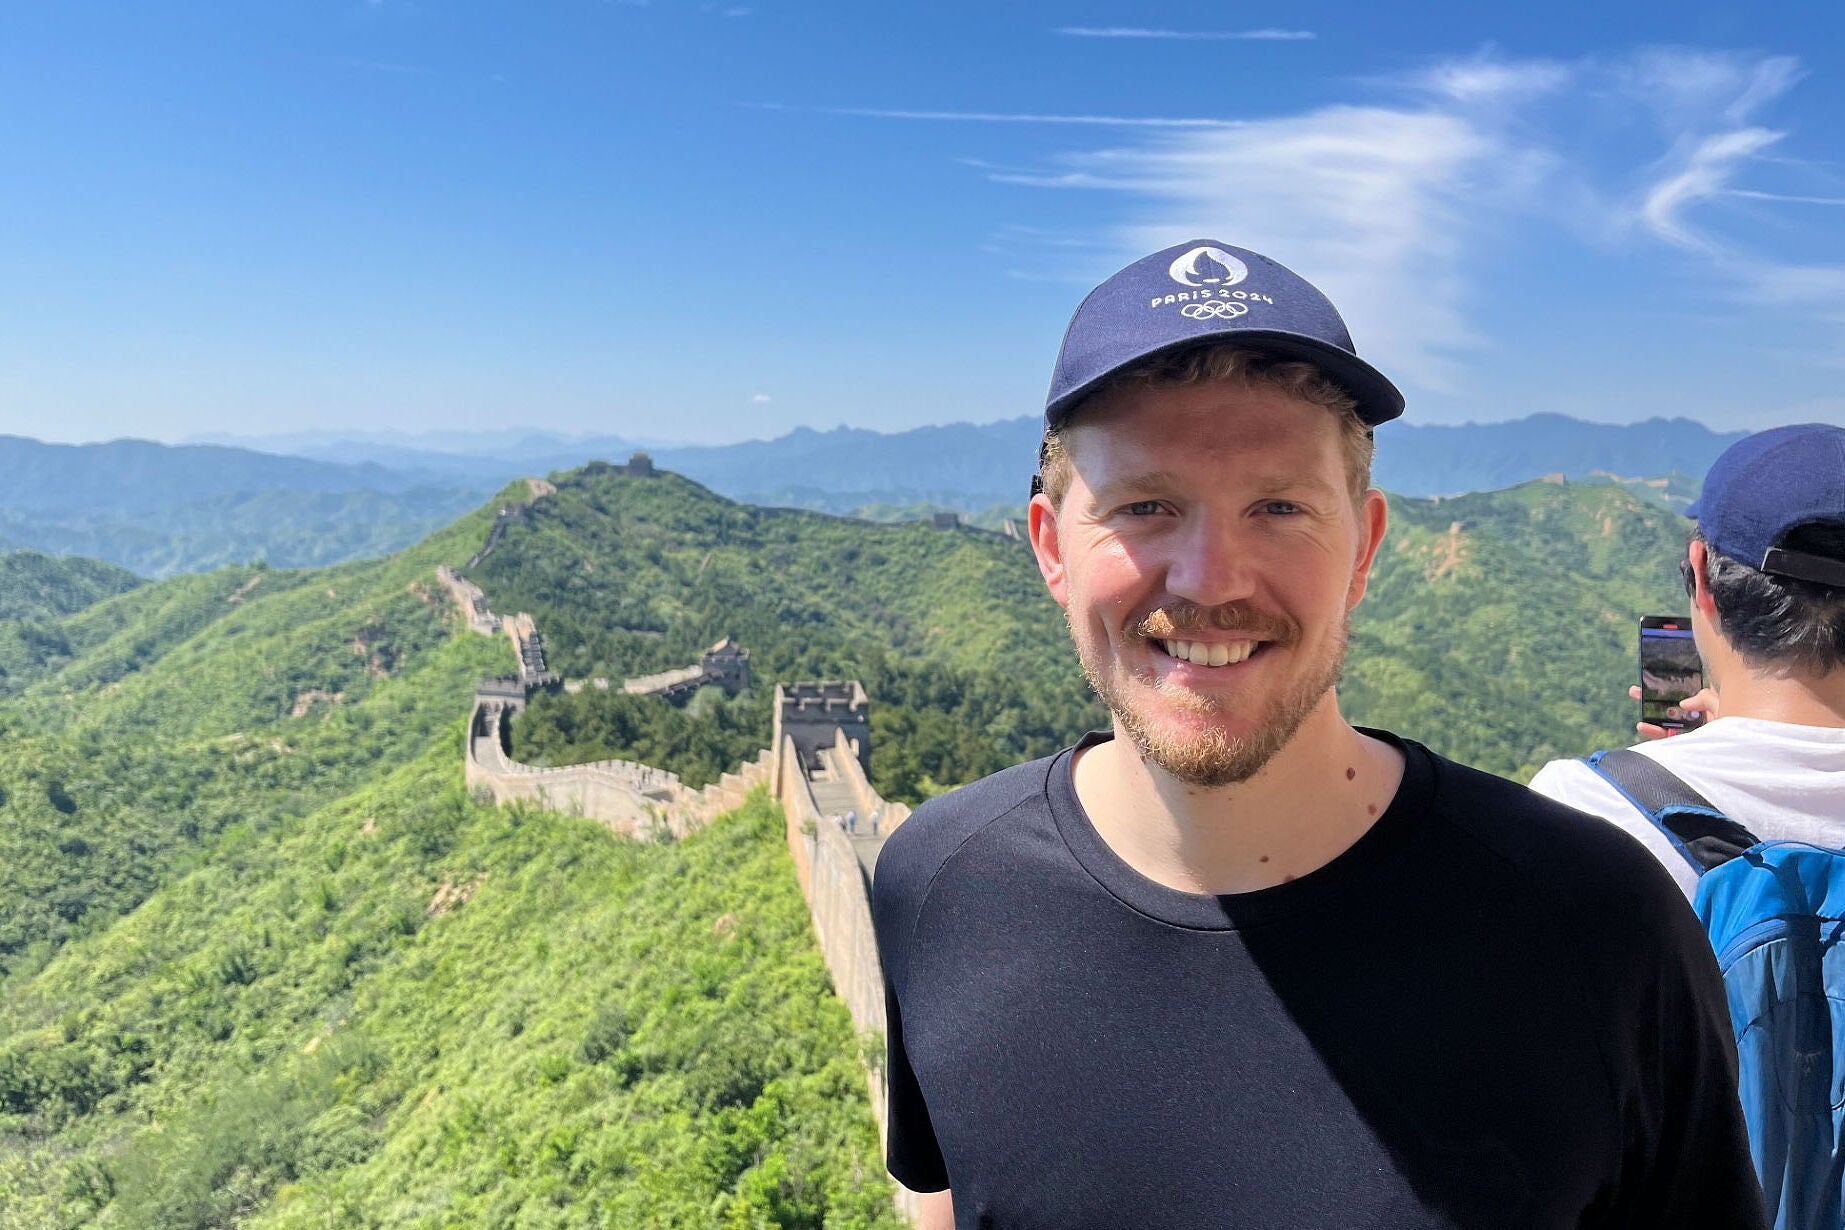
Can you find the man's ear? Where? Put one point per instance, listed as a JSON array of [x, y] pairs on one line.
[[1373, 519], [1699, 555], [1041, 525]]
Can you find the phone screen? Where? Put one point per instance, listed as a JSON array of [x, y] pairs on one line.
[[1670, 670]]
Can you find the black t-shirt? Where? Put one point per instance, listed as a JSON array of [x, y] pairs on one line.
[[1492, 1011]]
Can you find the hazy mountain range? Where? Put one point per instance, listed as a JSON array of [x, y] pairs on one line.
[[319, 498], [973, 466]]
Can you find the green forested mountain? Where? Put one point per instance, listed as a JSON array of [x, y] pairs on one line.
[[263, 962], [35, 587], [35, 591], [1501, 627], [950, 630]]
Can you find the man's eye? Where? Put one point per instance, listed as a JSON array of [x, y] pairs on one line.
[[1142, 508], [1281, 508]]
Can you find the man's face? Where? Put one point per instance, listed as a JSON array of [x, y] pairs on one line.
[[1208, 555]]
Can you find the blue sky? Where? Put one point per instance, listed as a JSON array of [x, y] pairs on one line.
[[711, 221]]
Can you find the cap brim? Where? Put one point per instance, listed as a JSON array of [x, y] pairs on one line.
[[1378, 400]]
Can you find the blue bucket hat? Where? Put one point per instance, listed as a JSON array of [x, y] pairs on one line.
[[1769, 484], [1203, 292]]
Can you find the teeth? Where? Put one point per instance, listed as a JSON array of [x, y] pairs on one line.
[[1200, 654]]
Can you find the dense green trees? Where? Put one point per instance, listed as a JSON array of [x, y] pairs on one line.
[[701, 742], [1501, 627], [407, 1009], [35, 587], [964, 656]]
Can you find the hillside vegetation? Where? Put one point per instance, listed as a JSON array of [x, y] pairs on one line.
[[36, 587], [1501, 627], [410, 1010], [950, 631], [264, 963], [35, 592]]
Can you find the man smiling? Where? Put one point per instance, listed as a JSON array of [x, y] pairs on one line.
[[1237, 962]]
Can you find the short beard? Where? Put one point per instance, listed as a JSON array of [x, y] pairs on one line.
[[1213, 759]]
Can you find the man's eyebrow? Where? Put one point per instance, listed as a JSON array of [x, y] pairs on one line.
[[1305, 484], [1164, 482], [1147, 482]]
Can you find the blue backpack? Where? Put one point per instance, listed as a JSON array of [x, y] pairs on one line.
[[1775, 913]]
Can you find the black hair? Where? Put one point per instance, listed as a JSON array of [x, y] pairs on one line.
[[1781, 624]]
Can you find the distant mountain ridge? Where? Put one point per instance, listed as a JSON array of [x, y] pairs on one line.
[[163, 509], [1441, 459], [138, 475], [973, 466], [160, 509]]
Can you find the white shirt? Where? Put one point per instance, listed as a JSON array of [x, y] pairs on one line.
[[1780, 781]]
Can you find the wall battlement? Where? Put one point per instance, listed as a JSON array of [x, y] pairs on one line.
[[812, 714], [725, 665]]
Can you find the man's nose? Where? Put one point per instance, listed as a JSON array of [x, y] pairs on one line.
[[1211, 565]]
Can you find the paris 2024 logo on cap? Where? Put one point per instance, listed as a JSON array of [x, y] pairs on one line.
[[1209, 273]]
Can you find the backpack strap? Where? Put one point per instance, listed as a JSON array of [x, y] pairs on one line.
[[1703, 834]]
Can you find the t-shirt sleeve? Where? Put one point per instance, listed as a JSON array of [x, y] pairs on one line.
[[913, 1155], [1688, 1162]]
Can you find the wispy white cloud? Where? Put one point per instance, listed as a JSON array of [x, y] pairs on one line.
[[1264, 35], [1705, 173], [1753, 195], [1818, 286], [1483, 78], [760, 399], [1397, 209], [1706, 101], [1695, 87], [1364, 201]]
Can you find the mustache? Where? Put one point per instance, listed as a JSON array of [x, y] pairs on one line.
[[1181, 620]]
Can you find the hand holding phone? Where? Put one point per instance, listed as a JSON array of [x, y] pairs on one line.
[[1670, 674], [1702, 703]]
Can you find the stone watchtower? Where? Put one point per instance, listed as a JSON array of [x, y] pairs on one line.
[[727, 664], [809, 713]]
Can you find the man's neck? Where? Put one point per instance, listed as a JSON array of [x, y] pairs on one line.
[[1800, 701], [1308, 805]]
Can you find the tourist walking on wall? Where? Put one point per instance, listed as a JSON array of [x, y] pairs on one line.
[[1234, 961]]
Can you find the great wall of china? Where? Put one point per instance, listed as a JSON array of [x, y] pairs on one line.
[[815, 766]]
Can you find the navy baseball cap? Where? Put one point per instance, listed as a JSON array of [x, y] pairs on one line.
[[1203, 292], [1768, 484]]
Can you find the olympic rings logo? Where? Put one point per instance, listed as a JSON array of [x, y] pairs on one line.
[[1214, 309]]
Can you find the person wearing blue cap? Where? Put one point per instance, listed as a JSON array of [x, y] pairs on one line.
[[1765, 576], [1748, 810], [1235, 962]]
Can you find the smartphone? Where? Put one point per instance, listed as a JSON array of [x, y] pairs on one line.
[[1670, 670]]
